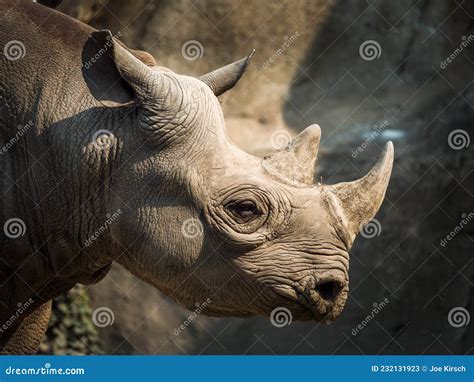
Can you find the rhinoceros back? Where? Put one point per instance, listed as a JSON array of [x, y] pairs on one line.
[[41, 63]]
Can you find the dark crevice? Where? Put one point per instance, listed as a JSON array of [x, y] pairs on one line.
[[411, 41]]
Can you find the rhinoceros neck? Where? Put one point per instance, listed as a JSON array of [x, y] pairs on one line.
[[58, 187]]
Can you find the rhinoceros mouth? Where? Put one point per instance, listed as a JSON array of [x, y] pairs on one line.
[[323, 312], [304, 308]]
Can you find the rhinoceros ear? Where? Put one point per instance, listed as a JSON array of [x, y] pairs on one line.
[[113, 74], [225, 78], [100, 72], [130, 68]]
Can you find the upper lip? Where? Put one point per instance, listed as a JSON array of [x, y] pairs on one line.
[[317, 310]]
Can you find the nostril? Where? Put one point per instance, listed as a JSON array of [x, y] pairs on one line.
[[329, 290]]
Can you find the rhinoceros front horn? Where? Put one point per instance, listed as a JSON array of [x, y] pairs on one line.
[[362, 198], [358, 201], [225, 78]]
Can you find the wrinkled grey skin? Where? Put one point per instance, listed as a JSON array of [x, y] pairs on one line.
[[193, 215]]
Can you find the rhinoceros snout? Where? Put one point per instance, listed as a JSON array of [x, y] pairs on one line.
[[326, 298]]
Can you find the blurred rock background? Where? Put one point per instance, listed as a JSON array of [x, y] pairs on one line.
[[310, 67]]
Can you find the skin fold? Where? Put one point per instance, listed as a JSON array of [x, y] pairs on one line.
[[126, 161]]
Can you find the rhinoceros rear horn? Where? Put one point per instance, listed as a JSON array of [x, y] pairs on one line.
[[361, 199], [295, 163], [225, 78]]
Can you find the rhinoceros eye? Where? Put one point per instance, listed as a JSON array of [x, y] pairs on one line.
[[244, 211]]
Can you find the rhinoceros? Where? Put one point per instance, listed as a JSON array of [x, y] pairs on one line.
[[108, 157]]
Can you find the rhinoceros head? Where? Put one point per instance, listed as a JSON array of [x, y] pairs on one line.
[[203, 221]]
